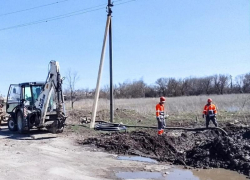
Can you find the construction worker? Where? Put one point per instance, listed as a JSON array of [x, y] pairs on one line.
[[160, 115], [210, 113]]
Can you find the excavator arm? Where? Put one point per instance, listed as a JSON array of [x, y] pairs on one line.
[[53, 86]]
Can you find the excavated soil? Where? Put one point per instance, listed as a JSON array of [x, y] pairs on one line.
[[205, 149]]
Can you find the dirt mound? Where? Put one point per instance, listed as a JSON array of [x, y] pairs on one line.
[[221, 152], [197, 149]]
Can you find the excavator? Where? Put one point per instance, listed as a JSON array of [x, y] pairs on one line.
[[37, 104]]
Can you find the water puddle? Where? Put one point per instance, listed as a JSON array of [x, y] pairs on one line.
[[180, 174], [164, 172], [136, 158], [177, 174], [218, 174], [139, 175]]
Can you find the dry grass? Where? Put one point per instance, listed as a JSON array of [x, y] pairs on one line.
[[230, 107]]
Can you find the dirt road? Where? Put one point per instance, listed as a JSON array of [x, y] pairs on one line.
[[47, 156], [44, 156]]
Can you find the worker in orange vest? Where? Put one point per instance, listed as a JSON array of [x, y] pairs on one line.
[[210, 113], [160, 115]]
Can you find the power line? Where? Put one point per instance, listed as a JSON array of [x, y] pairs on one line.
[[124, 2], [36, 7], [74, 13], [83, 11]]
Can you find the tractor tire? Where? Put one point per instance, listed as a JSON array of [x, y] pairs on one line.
[[60, 129], [20, 123], [12, 124], [56, 127]]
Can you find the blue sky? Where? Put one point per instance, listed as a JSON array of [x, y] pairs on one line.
[[151, 39]]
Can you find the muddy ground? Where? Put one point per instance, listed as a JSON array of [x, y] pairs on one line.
[[204, 149], [41, 155]]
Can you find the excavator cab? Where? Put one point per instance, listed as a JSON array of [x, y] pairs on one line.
[[22, 94], [21, 97]]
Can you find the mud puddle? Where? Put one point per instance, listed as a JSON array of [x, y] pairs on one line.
[[218, 174], [139, 175], [180, 174], [137, 158]]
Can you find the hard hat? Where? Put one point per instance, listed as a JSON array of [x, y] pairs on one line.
[[209, 100], [162, 99]]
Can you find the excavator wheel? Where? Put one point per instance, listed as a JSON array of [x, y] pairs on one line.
[[56, 127], [60, 128], [52, 127], [20, 123], [12, 124]]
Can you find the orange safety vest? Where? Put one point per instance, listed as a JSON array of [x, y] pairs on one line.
[[209, 108], [159, 110]]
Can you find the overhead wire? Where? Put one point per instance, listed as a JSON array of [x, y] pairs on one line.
[[124, 2], [36, 7], [74, 13], [53, 18]]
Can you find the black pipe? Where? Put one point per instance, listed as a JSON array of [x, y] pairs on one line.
[[181, 128], [103, 125]]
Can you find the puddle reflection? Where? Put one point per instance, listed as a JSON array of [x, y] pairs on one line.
[[177, 173], [139, 175], [180, 174], [136, 158]]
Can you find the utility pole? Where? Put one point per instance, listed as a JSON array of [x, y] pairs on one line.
[[107, 30], [110, 61]]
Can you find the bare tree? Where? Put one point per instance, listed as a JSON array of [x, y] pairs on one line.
[[121, 90], [246, 83], [195, 87], [104, 92], [161, 85], [135, 89], [239, 82], [72, 78], [150, 91], [220, 83], [184, 85], [207, 84], [224, 79], [216, 84], [173, 87]]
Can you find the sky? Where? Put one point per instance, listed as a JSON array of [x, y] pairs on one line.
[[151, 39]]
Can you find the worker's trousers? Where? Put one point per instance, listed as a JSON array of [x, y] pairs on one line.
[[161, 125], [213, 119]]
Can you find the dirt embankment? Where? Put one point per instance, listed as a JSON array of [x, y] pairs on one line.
[[197, 149]]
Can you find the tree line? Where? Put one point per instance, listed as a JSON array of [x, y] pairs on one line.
[[169, 87]]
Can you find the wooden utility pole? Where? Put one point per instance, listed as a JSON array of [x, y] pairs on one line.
[[107, 29]]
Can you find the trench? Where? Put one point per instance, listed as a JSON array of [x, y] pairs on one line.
[[203, 149]]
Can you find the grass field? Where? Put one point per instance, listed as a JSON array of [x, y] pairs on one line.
[[230, 107]]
